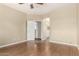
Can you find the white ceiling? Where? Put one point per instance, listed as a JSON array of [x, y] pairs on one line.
[[37, 10]]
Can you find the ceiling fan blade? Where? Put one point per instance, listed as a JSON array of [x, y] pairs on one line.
[[40, 3], [20, 3]]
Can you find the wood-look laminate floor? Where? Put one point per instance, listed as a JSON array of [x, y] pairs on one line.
[[41, 48]]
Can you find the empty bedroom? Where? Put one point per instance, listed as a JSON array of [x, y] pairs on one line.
[[39, 29]]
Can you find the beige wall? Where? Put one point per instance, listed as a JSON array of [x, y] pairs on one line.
[[78, 25], [44, 28], [12, 25], [63, 25]]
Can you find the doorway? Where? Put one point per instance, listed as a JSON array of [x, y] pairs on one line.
[[33, 30], [38, 29]]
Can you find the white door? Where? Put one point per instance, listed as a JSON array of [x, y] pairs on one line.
[[31, 27]]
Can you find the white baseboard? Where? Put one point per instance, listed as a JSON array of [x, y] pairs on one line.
[[12, 44], [63, 43], [27, 40]]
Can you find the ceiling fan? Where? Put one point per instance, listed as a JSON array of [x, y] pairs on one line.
[[32, 4]]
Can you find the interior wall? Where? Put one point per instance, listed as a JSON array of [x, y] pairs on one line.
[[63, 25], [12, 25], [78, 25], [45, 24]]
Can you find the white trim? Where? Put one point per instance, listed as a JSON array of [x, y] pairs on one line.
[[12, 44], [28, 40], [64, 43]]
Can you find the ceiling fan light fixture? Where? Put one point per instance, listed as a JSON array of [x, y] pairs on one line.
[[33, 5]]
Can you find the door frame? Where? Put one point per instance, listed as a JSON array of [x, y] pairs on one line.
[[27, 26]]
